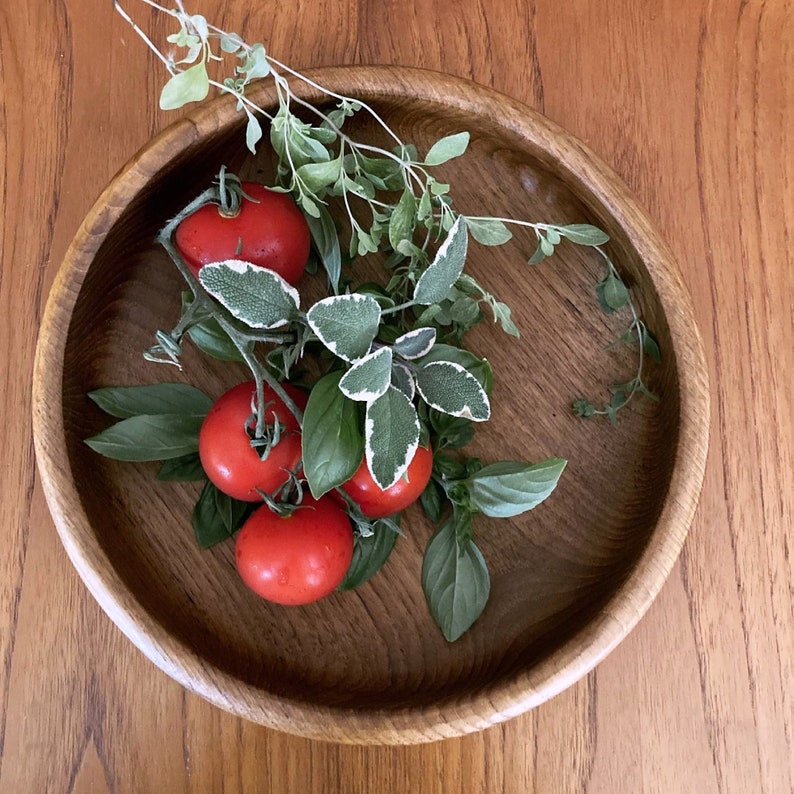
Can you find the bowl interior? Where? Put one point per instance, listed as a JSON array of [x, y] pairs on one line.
[[552, 570]]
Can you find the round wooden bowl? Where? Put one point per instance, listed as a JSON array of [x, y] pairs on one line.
[[569, 579]]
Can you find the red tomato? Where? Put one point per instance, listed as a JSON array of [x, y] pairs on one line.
[[298, 558], [228, 458], [377, 503], [270, 232]]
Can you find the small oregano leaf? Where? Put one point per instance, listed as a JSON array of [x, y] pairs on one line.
[[583, 234], [447, 148], [191, 85], [439, 278], [391, 436], [508, 488], [455, 577], [369, 377], [489, 231], [333, 445], [403, 218], [156, 398], [346, 324], [257, 296], [452, 389]]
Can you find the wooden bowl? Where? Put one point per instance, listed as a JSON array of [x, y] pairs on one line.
[[569, 580]]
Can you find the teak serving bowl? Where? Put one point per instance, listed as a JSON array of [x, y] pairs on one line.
[[569, 579]]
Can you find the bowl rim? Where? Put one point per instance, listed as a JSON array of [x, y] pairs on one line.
[[509, 696]]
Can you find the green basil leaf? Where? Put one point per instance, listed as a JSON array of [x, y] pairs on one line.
[[191, 85], [455, 577], [208, 523], [391, 436], [233, 512], [432, 500], [370, 554], [583, 234], [149, 437], [211, 339], [436, 282], [449, 387], [156, 398], [186, 468], [255, 295], [369, 377], [346, 324], [447, 148], [509, 488], [333, 445], [488, 231]]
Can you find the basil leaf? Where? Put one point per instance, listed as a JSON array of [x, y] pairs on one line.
[[156, 398], [370, 554], [209, 524], [432, 500], [231, 511], [509, 488], [333, 445], [187, 468], [326, 242], [455, 577], [255, 295], [148, 437], [436, 282], [211, 339]]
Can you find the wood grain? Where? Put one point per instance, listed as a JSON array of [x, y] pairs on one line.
[[691, 103]]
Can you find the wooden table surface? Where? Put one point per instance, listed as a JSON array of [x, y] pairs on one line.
[[692, 103]]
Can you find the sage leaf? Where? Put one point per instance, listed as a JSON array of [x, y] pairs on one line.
[[257, 296], [583, 234], [402, 379], [509, 488], [436, 282], [149, 437], [447, 148], [370, 553], [391, 436], [455, 577], [369, 377], [479, 367], [333, 445], [326, 242], [489, 231], [452, 389], [191, 85], [415, 344], [187, 468], [346, 324], [156, 398]]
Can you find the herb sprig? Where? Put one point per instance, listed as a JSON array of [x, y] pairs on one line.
[[396, 374]]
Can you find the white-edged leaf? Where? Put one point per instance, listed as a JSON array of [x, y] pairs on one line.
[[346, 324], [447, 148], [257, 296], [489, 231], [191, 85], [450, 388], [402, 379], [439, 278], [415, 344], [509, 488], [369, 377], [391, 436]]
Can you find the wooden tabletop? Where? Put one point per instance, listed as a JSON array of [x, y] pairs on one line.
[[690, 101]]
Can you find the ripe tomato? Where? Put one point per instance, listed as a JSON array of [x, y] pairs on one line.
[[377, 503], [228, 458], [298, 558], [270, 232]]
